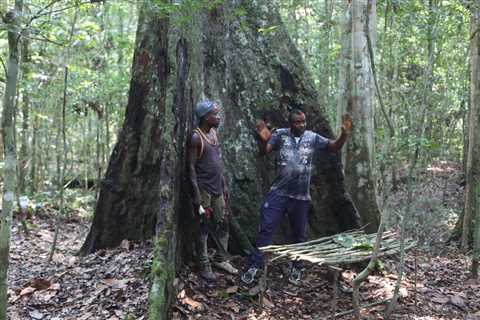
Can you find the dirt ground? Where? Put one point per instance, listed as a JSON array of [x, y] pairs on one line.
[[113, 284]]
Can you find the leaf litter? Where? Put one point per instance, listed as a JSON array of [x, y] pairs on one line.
[[113, 284]]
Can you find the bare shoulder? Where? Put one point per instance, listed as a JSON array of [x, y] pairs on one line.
[[195, 139]]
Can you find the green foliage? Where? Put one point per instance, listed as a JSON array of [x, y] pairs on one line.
[[404, 31], [350, 242], [98, 58]]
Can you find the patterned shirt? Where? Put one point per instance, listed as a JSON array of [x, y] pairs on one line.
[[294, 162]]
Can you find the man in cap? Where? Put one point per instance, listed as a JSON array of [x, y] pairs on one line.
[[290, 192], [209, 189]]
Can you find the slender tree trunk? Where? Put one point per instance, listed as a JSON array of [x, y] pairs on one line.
[[24, 158], [359, 160], [11, 19], [62, 152], [472, 173], [63, 164], [33, 158]]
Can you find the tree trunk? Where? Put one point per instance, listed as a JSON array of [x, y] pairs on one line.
[[253, 74], [473, 154], [129, 198], [33, 180], [9, 172], [174, 200], [24, 159], [357, 98]]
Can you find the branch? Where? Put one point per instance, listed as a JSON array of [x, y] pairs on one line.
[[41, 12], [45, 39]]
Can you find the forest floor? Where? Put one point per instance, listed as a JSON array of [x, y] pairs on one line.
[[113, 284]]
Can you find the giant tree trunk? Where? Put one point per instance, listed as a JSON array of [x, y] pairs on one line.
[[251, 66], [251, 74], [11, 20], [357, 98], [130, 195]]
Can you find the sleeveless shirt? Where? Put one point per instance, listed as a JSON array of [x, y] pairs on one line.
[[209, 169]]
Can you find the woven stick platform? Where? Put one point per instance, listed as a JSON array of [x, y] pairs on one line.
[[343, 248]]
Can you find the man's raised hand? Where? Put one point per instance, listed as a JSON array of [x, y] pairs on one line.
[[346, 123], [262, 130]]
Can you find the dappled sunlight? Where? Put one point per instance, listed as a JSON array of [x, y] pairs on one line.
[[443, 167]]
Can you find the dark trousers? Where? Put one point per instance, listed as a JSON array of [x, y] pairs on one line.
[[273, 209]]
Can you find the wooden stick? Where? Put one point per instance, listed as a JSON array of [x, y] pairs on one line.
[[263, 281], [335, 271]]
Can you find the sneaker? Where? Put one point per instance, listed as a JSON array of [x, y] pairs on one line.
[[295, 274], [249, 276], [207, 273], [226, 266]]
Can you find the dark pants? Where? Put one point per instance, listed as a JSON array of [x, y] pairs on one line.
[[273, 208]]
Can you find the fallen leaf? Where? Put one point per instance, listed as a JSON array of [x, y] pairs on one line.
[[54, 286], [125, 244], [12, 296], [40, 283], [181, 294], [35, 314], [86, 316], [233, 289], [116, 284], [457, 301], [233, 306], [254, 291], [194, 305], [267, 303], [27, 290], [439, 299]]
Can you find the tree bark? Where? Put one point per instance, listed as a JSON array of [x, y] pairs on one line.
[[472, 169], [357, 98], [259, 74], [24, 158], [129, 198], [10, 163]]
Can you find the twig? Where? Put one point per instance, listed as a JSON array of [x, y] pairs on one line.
[[45, 39]]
